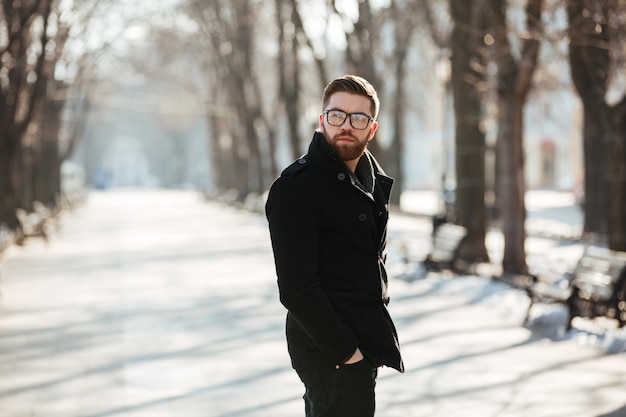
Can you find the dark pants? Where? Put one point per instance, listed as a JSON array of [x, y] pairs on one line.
[[344, 392]]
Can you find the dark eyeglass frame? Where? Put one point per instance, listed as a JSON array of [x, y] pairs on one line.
[[346, 115]]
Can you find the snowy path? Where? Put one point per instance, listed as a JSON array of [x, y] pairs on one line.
[[155, 303]]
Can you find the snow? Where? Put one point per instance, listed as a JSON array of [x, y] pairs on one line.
[[156, 303], [553, 222]]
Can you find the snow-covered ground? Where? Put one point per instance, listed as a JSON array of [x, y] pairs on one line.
[[554, 220], [158, 304]]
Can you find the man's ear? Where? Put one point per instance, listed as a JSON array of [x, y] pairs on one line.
[[373, 130], [321, 121]]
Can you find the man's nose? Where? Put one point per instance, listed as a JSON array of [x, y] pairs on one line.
[[347, 123]]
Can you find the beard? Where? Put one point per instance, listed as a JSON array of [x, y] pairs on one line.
[[347, 151]]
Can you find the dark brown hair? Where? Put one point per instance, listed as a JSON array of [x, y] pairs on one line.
[[354, 85]]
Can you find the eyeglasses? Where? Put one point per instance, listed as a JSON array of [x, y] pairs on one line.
[[358, 121]]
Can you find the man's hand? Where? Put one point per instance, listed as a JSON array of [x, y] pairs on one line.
[[356, 357]]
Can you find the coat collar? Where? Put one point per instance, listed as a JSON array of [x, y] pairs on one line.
[[321, 151]]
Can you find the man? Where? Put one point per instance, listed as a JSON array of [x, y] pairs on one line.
[[327, 216]]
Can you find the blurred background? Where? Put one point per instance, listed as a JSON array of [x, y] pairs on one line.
[[481, 101]]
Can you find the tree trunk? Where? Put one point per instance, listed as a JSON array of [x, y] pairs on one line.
[[595, 128], [590, 61], [405, 23], [21, 99], [9, 178], [399, 132], [469, 139], [617, 182], [510, 153], [514, 83], [592, 52], [288, 67]]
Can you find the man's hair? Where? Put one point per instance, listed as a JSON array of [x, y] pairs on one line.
[[354, 85]]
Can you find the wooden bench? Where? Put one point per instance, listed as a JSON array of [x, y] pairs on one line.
[[596, 287], [446, 240], [557, 291], [519, 281], [33, 224]]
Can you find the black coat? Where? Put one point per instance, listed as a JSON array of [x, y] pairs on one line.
[[329, 238]]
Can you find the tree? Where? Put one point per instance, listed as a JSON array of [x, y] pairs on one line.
[[596, 31], [468, 72], [47, 157], [240, 125], [292, 39], [27, 30], [32, 145], [404, 16], [514, 80]]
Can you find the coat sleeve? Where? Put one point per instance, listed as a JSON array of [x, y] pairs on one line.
[[294, 222]]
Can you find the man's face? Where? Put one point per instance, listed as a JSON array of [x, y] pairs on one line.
[[350, 143]]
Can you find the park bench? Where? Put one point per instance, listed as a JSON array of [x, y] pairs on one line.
[[596, 287], [519, 281], [33, 224], [446, 240]]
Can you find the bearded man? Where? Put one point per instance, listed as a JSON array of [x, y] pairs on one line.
[[327, 215]]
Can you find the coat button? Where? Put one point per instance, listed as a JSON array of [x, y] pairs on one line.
[[362, 217], [302, 161], [341, 176]]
